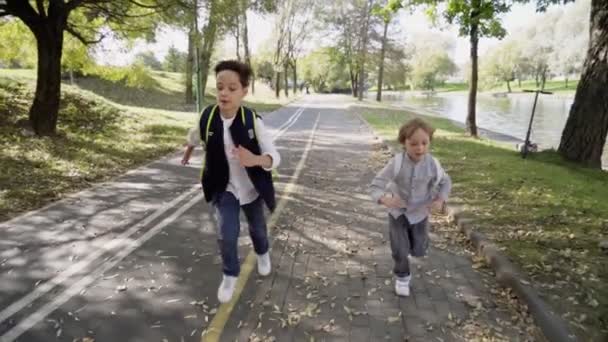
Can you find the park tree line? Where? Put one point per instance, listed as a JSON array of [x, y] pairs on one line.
[[553, 45], [361, 50]]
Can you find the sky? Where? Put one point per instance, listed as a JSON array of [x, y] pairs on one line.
[[116, 53], [260, 30]]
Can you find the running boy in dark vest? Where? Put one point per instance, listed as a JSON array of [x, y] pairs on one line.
[[239, 157]]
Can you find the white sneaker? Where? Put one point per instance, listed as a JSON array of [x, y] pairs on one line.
[[402, 286], [264, 266], [226, 289]]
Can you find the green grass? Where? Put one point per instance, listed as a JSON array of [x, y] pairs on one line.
[[546, 213], [552, 86], [168, 95], [447, 87], [95, 141], [104, 129], [18, 74]]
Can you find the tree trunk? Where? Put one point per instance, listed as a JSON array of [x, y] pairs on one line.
[[286, 77], [236, 28], [209, 37], [277, 84], [238, 47], [364, 36], [353, 83], [584, 136], [72, 82], [189, 67], [509, 86], [49, 40], [294, 71], [245, 37], [519, 83], [471, 114], [381, 69], [543, 79], [566, 82]]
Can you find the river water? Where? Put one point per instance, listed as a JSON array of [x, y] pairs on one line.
[[508, 115]]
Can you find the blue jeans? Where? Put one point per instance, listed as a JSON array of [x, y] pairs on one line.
[[227, 211]]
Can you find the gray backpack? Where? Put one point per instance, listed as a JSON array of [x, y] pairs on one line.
[[440, 173]]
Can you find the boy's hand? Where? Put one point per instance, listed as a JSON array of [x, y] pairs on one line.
[[437, 204], [187, 154], [245, 157], [394, 202]]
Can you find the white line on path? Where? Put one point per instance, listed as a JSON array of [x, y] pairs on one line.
[[122, 239]]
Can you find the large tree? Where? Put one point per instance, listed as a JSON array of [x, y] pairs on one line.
[[351, 25], [367, 16], [386, 15], [291, 29], [584, 136], [49, 20], [184, 16], [475, 19]]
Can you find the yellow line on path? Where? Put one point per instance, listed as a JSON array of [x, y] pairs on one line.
[[214, 331]]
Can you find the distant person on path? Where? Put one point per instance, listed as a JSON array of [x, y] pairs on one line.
[[239, 156], [410, 185]]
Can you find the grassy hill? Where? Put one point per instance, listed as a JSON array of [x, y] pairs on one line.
[[105, 127]]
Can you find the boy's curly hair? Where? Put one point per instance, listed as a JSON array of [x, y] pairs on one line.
[[407, 129], [240, 68]]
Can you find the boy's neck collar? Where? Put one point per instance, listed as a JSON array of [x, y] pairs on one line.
[[231, 115], [415, 161]]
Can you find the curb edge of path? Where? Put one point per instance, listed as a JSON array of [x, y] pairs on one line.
[[553, 327]]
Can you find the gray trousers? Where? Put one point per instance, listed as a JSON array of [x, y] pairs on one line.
[[407, 239]]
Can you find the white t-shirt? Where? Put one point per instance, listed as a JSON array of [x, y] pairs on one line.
[[239, 183]]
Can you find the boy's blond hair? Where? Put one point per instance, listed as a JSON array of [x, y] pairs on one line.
[[407, 129]]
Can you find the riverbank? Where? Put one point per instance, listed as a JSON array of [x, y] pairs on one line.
[[509, 116], [547, 215], [554, 86]]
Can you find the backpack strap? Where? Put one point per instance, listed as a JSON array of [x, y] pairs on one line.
[[245, 113], [252, 115], [398, 164], [208, 112], [440, 174]]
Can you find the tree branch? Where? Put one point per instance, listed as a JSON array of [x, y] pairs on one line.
[[82, 39], [103, 10], [147, 6], [40, 7], [22, 10], [73, 4]]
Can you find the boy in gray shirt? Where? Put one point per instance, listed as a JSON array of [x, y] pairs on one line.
[[410, 185]]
